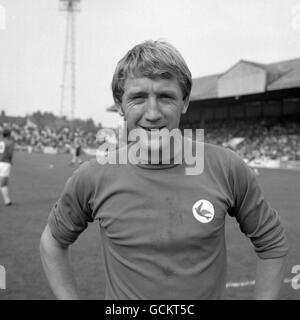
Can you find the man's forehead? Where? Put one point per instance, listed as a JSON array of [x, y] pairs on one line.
[[134, 84]]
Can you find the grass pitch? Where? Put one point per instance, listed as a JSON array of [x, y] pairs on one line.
[[36, 183]]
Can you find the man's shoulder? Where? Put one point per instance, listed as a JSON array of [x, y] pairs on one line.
[[94, 170], [85, 176], [216, 156], [228, 159], [88, 168], [213, 151], [222, 153]]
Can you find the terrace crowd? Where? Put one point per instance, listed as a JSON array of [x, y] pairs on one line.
[[38, 138], [261, 139]]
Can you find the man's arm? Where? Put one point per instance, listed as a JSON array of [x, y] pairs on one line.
[[269, 277], [262, 225], [57, 267]]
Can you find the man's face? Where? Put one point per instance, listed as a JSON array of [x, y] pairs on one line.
[[152, 104]]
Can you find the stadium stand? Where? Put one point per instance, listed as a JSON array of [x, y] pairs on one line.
[[247, 91]]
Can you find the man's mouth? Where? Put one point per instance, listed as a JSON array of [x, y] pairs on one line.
[[152, 129]]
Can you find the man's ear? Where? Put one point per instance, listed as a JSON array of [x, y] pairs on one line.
[[119, 108], [186, 105]]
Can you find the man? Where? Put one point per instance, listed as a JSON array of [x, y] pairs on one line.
[[6, 155], [76, 150], [162, 230]]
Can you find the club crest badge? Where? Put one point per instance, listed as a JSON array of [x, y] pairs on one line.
[[203, 211]]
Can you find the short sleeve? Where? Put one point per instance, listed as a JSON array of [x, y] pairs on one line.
[[70, 215], [257, 219]]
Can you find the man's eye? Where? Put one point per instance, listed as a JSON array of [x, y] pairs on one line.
[[138, 99], [166, 97]]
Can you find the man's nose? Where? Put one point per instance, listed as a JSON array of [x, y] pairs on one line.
[[153, 113]]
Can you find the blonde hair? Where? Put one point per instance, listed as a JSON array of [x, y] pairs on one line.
[[152, 59]]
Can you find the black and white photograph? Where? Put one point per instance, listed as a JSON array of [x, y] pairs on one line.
[[149, 150]]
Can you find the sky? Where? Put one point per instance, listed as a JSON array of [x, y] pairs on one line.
[[212, 35]]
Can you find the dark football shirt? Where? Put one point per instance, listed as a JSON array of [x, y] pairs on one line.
[[162, 231], [6, 150]]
